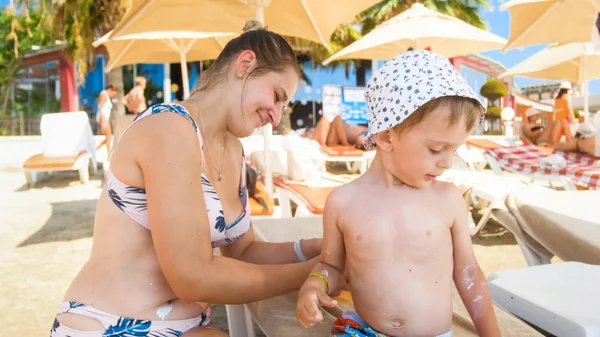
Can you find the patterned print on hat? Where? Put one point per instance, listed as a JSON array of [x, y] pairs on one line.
[[405, 83]]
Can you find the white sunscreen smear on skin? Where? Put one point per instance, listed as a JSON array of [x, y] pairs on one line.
[[477, 307], [164, 310], [468, 276]]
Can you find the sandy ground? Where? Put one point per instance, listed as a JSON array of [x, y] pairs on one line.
[[45, 237]]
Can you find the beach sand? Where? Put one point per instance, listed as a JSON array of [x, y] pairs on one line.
[[45, 237]]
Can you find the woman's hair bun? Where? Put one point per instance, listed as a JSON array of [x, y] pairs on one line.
[[252, 25]]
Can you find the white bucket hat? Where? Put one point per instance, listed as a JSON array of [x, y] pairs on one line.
[[532, 112], [405, 83], [565, 85]]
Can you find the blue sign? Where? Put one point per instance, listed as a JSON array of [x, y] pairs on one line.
[[354, 108]]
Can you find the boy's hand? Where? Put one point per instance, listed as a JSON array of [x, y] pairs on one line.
[[312, 296]]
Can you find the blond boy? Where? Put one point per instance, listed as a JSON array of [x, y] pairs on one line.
[[401, 234]]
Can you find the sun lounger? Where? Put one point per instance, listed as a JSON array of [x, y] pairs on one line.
[[276, 316], [310, 200], [256, 208], [562, 298], [349, 155], [472, 152], [67, 145], [484, 191], [581, 170], [565, 223]]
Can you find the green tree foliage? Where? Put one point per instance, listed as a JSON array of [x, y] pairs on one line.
[[22, 31], [78, 23]]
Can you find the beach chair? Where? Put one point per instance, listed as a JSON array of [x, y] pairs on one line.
[[483, 191], [561, 299], [357, 161], [264, 209], [309, 199], [564, 223], [580, 170], [67, 145], [472, 153]]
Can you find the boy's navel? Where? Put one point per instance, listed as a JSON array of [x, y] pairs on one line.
[[396, 323], [359, 237]]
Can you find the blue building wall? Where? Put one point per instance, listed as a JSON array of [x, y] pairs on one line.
[[94, 84]]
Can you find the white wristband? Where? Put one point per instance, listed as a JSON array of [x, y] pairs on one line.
[[298, 251]]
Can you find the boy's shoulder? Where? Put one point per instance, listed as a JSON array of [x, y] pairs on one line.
[[448, 195], [446, 190], [445, 187], [343, 194]]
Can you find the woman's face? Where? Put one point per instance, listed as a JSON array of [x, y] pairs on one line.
[[263, 98]]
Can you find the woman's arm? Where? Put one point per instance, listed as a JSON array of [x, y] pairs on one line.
[[171, 163], [468, 277], [247, 249]]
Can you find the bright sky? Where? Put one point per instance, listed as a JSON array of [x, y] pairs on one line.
[[497, 22]]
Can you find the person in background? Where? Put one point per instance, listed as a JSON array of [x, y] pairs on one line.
[[338, 132], [585, 140], [135, 101], [562, 103], [105, 106], [542, 134]]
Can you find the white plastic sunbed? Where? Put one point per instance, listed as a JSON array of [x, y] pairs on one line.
[[562, 299], [67, 145]]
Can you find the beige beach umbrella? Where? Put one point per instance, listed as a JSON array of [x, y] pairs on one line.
[[419, 28], [309, 19], [574, 62], [550, 21], [164, 47]]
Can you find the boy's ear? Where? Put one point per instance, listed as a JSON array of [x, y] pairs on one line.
[[383, 140]]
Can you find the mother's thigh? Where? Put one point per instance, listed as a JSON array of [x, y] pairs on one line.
[[204, 332]]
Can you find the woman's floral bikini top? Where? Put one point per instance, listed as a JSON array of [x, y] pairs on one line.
[[132, 200]]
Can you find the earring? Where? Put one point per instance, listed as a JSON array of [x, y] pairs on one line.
[[239, 75]]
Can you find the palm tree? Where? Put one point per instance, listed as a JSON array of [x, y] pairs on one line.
[[346, 33], [78, 23], [466, 10]]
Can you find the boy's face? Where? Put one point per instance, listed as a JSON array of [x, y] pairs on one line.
[[425, 151]]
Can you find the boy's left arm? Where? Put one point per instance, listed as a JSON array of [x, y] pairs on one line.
[[468, 277]]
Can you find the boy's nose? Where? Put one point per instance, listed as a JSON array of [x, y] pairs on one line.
[[446, 161]]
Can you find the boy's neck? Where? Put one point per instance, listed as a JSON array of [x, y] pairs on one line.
[[378, 174]]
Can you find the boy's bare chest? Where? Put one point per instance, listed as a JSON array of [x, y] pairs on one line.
[[396, 228]]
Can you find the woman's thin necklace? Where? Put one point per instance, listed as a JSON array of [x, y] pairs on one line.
[[219, 175]]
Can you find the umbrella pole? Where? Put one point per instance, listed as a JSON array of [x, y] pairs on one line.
[[586, 90], [586, 100], [267, 129], [184, 73]]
